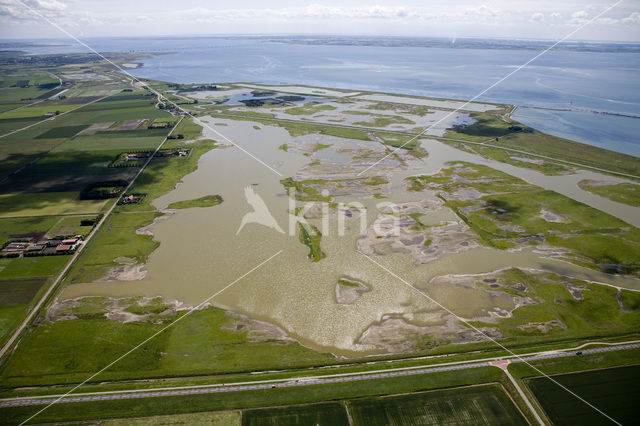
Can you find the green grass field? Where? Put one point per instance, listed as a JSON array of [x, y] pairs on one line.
[[10, 318], [253, 399], [626, 193], [598, 313], [15, 227], [491, 126], [547, 167], [38, 110], [9, 124], [25, 267], [62, 132], [47, 204], [324, 414], [299, 129], [163, 174], [71, 226], [203, 343], [215, 418], [488, 405], [101, 142], [379, 120], [510, 210], [116, 238], [15, 296], [614, 391], [19, 291], [309, 108], [206, 201]]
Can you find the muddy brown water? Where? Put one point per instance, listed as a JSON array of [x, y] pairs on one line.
[[200, 252]]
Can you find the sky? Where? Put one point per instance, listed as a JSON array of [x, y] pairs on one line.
[[533, 19]]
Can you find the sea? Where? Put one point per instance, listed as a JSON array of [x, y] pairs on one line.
[[590, 97]]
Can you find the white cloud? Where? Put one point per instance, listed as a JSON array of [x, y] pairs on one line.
[[537, 17], [633, 19], [581, 14], [48, 5], [495, 18]]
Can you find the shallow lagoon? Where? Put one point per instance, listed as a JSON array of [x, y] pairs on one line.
[[200, 252]]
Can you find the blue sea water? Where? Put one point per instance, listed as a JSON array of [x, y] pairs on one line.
[[605, 82]]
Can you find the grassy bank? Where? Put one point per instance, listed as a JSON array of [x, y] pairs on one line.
[[626, 193], [253, 399], [206, 201], [507, 212], [498, 133]]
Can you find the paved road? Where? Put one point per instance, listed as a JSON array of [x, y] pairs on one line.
[[503, 365], [302, 381]]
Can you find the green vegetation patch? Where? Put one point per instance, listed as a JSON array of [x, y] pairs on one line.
[[408, 142], [161, 176], [310, 236], [73, 225], [187, 129], [216, 418], [19, 291], [43, 110], [564, 308], [21, 227], [548, 167], [535, 142], [378, 120], [10, 317], [626, 193], [39, 266], [489, 126], [508, 212], [329, 414], [347, 283], [117, 238], [83, 347], [488, 404], [300, 129], [10, 124], [47, 203], [254, 399], [62, 132], [206, 342], [206, 201], [309, 108], [110, 142], [615, 391]]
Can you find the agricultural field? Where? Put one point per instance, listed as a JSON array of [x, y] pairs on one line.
[[47, 204], [615, 391], [52, 148], [15, 296], [474, 405], [317, 414]]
